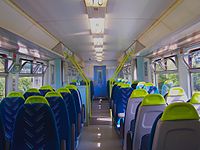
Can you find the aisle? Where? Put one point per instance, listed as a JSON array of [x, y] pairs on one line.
[[100, 134]]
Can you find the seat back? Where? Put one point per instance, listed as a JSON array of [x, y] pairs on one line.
[[152, 105], [9, 108], [195, 101], [133, 102], [35, 126], [32, 92], [178, 128], [140, 85], [176, 94], [71, 107], [61, 116], [134, 84], [2, 136], [151, 89], [122, 100], [45, 89]]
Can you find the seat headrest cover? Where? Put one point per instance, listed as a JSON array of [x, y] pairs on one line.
[[34, 90], [46, 87], [195, 98], [74, 81], [135, 82], [53, 94], [125, 86], [180, 111], [70, 86], [153, 99], [148, 84], [141, 83], [36, 99], [138, 93], [176, 91], [63, 90], [16, 94]]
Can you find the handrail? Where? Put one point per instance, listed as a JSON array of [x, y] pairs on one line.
[[86, 80]]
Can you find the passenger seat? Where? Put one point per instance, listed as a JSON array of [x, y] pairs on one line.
[[178, 129], [134, 100], [152, 106], [176, 94]]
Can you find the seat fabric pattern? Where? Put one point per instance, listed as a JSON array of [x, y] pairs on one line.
[[35, 129], [9, 108]]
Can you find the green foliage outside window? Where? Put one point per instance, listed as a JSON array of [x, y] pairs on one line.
[[2, 87], [25, 83]]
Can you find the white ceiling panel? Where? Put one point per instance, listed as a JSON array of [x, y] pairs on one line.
[[68, 21]]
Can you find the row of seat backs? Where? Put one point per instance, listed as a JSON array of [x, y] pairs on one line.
[[177, 128], [21, 100], [10, 106], [148, 86]]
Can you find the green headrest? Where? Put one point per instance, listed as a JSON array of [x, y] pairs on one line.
[[46, 87], [15, 94], [63, 90], [125, 86], [176, 91], [74, 81], [34, 90], [135, 82], [70, 86], [153, 99], [138, 93], [36, 99], [120, 84], [143, 83], [168, 82], [53, 94], [180, 111], [148, 84], [195, 98]]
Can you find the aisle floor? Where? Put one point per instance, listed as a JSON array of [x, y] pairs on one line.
[[100, 134]]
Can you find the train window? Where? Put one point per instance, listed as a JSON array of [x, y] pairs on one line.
[[29, 82], [166, 69], [195, 77], [2, 87]]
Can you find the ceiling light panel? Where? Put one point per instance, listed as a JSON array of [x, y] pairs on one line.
[[98, 49], [96, 3], [97, 25], [98, 41]]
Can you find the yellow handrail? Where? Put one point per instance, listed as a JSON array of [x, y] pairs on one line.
[[86, 80]]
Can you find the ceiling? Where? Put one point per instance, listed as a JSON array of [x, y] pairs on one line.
[[67, 20]]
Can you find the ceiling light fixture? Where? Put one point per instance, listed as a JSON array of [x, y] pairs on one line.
[[99, 54], [98, 49], [98, 41], [96, 3], [97, 25]]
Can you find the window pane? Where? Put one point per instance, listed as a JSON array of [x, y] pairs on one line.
[[195, 82], [29, 82], [161, 78], [26, 68], [2, 87], [196, 60], [2, 65], [170, 64]]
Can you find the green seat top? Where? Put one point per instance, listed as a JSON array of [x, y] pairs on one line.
[[168, 82], [195, 98], [148, 84], [46, 87], [176, 91], [143, 83], [36, 99], [53, 94], [153, 99], [180, 111], [74, 81], [135, 82], [125, 86], [70, 86], [34, 90], [15, 94], [63, 90], [138, 93]]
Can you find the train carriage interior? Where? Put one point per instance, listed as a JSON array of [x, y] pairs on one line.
[[99, 74]]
